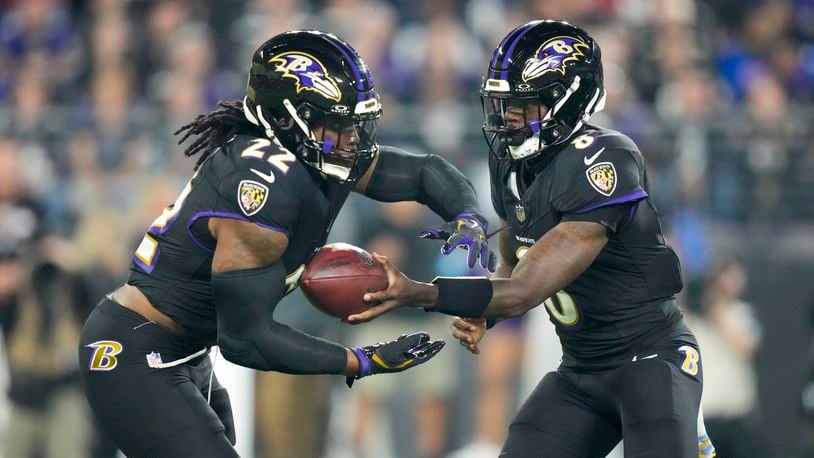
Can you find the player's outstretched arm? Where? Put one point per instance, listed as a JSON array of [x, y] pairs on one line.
[[248, 280], [549, 265], [397, 175]]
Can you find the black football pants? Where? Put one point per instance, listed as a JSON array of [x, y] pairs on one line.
[[152, 412], [652, 402]]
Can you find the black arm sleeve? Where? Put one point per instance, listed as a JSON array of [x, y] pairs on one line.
[[424, 178], [249, 336]]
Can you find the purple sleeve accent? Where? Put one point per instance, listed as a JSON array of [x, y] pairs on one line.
[[638, 194], [217, 214], [364, 362]]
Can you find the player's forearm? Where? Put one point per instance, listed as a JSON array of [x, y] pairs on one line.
[[468, 294], [425, 178], [248, 335], [549, 265], [283, 349]]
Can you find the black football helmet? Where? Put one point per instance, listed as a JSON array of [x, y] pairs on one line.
[[555, 68], [305, 82]]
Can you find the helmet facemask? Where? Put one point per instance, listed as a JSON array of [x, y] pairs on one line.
[[341, 147], [524, 122], [339, 144]]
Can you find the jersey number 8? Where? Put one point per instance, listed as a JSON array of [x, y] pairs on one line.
[[562, 309]]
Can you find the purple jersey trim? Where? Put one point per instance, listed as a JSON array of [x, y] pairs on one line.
[[638, 194], [217, 214], [162, 229], [148, 267]]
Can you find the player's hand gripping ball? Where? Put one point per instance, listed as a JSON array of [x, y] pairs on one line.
[[338, 276]]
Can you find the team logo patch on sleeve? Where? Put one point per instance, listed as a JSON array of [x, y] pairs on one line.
[[602, 177], [251, 196]]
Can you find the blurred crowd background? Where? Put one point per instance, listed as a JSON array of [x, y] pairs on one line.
[[718, 94]]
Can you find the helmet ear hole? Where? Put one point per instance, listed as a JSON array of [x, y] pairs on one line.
[[285, 123], [305, 113]]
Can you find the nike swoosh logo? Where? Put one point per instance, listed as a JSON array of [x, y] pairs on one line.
[[268, 177], [636, 357], [590, 160]]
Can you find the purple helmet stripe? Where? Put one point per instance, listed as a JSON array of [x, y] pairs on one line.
[[505, 73], [362, 75], [503, 43]]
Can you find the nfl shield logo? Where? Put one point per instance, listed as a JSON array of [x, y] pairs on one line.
[[154, 359], [251, 196], [520, 211]]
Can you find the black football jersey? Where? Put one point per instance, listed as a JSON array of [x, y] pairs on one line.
[[249, 179], [627, 294]]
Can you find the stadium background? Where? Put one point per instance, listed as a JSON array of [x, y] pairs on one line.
[[718, 95]]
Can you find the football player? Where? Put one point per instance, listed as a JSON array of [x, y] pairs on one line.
[[274, 171], [583, 239]]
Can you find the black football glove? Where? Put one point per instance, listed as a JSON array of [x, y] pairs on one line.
[[467, 230], [395, 356]]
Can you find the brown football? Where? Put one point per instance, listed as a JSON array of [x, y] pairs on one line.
[[338, 276]]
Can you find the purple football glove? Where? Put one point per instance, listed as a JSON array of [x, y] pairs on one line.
[[467, 230]]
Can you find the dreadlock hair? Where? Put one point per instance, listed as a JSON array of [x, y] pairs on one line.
[[215, 128]]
